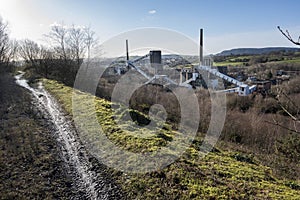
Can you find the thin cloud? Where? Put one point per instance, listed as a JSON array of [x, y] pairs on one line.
[[152, 12]]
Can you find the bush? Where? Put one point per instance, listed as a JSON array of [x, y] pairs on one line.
[[293, 86], [290, 147], [239, 102], [269, 105]]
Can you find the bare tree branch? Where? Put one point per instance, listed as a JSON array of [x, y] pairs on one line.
[[293, 117], [288, 36], [276, 123], [287, 112]]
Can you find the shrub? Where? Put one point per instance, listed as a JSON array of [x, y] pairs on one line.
[[269, 105], [239, 102], [293, 86]]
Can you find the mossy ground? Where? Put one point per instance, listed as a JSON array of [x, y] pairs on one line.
[[218, 175]]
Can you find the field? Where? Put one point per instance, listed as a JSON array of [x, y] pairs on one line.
[[222, 173], [256, 59]]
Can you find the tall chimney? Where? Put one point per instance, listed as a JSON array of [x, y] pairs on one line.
[[201, 47], [127, 53]]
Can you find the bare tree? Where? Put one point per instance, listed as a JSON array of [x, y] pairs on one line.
[[4, 41], [58, 39], [46, 60], [77, 43], [70, 44], [37, 56], [288, 36], [12, 51], [90, 41], [8, 47], [30, 52]]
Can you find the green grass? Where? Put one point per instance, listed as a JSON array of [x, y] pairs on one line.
[[235, 60], [219, 175], [125, 134], [228, 63], [295, 60]]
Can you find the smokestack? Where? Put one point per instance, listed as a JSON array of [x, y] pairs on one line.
[[201, 47], [127, 53]]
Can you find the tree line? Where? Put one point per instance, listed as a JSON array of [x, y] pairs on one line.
[[8, 47], [65, 49]]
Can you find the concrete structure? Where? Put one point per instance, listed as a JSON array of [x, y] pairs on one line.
[[189, 76]]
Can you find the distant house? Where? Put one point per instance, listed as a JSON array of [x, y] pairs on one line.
[[263, 86], [281, 73], [251, 79], [282, 76]]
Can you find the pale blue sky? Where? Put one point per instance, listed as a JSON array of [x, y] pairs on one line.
[[227, 23]]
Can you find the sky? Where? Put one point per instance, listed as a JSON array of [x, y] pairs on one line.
[[227, 24]]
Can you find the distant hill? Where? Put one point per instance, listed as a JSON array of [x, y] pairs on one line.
[[255, 51]]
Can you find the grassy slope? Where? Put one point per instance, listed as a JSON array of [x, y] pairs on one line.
[[221, 175], [296, 60], [228, 63], [231, 61]]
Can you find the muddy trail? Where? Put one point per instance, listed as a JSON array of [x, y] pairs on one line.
[[90, 179]]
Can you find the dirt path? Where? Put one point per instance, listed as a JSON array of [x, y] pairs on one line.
[[41, 156], [30, 161]]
